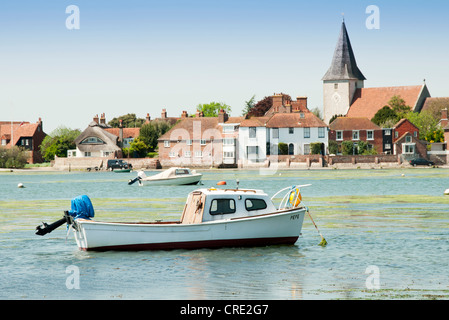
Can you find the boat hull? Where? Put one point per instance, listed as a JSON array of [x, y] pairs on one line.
[[186, 180], [270, 229]]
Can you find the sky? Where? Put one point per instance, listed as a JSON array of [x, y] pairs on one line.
[[141, 56]]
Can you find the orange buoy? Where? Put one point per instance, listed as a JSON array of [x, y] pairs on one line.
[[221, 183]]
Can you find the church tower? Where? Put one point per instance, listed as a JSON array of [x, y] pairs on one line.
[[342, 79]]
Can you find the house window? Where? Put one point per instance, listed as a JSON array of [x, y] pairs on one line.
[[228, 142], [252, 132], [408, 148], [87, 154], [415, 134], [189, 142], [306, 133], [228, 129], [198, 154], [396, 134], [222, 206], [321, 132], [228, 154], [302, 115], [355, 135], [275, 133], [335, 86], [339, 135], [252, 150], [3, 142], [387, 146], [408, 139], [291, 130], [203, 142], [369, 135], [187, 154], [167, 144], [92, 140], [255, 204], [172, 154], [387, 132], [307, 149]]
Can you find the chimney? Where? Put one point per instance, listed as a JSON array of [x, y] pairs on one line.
[[120, 133], [278, 100], [302, 101], [103, 119], [222, 116], [164, 114], [96, 118], [39, 122], [184, 115], [444, 119], [199, 114], [148, 118]]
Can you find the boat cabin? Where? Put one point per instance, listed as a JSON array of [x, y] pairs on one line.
[[205, 205]]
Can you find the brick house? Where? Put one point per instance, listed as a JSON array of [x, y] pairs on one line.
[[410, 147], [355, 130], [404, 126], [28, 136], [201, 141]]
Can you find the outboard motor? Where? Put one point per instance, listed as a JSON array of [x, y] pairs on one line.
[[140, 175], [81, 207]]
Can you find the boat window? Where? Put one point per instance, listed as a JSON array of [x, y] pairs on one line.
[[181, 171], [255, 204], [222, 206]]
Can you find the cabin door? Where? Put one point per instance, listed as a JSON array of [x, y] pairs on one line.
[[193, 211]]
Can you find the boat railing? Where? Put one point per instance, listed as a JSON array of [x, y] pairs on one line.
[[292, 197]]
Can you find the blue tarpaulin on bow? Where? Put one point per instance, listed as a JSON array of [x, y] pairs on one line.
[[82, 208]]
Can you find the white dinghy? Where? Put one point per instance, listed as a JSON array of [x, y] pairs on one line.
[[171, 176]]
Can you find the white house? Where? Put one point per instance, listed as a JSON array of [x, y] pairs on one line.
[[259, 137]]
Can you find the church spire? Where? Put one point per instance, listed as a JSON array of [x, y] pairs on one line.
[[344, 66]]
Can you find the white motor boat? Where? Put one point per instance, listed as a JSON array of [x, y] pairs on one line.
[[172, 176], [211, 218]]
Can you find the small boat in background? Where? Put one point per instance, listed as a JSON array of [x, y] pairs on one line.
[[172, 176]]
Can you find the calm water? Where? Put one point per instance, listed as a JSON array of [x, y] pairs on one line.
[[394, 220]]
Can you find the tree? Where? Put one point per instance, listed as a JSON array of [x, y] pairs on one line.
[[150, 132], [261, 107], [398, 105], [211, 109], [385, 114], [138, 148], [347, 148], [317, 112], [128, 121], [249, 105], [13, 157], [283, 148], [58, 142], [424, 121]]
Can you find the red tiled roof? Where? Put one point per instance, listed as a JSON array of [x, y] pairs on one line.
[[295, 120], [346, 123], [127, 132], [19, 130], [368, 101]]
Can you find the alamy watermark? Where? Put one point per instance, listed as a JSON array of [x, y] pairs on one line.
[[373, 20], [73, 20], [373, 280], [73, 278]]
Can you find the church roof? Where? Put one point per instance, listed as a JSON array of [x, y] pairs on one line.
[[344, 65], [367, 101]]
